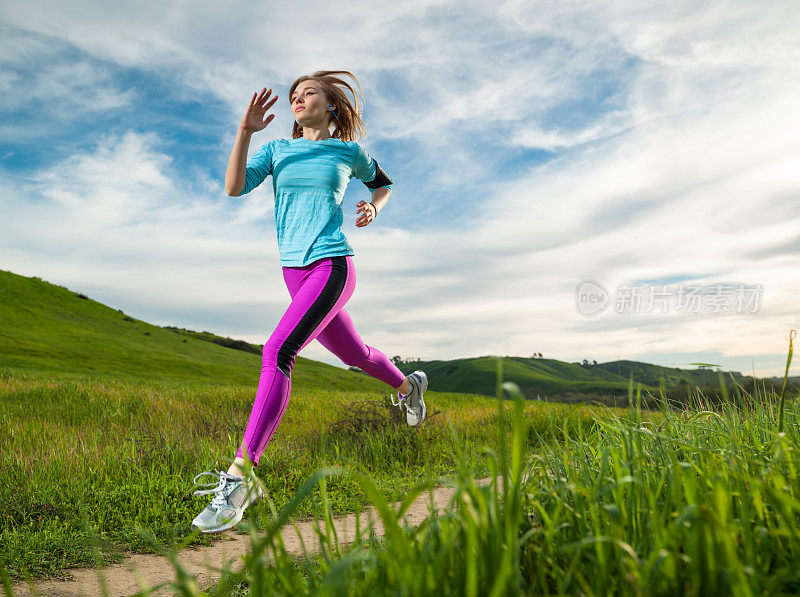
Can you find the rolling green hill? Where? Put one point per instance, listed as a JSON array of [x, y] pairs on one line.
[[48, 328], [45, 327], [549, 378], [653, 375]]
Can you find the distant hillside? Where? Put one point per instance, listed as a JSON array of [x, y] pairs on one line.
[[655, 375], [549, 378], [46, 327]]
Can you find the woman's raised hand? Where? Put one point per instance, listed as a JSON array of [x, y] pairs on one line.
[[253, 119]]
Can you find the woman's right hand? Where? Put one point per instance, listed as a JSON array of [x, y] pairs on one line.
[[253, 119]]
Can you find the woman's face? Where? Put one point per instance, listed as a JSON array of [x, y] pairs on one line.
[[309, 104]]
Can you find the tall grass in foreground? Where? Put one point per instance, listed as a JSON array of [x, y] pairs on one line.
[[701, 502]]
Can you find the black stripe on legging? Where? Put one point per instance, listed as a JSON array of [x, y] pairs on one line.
[[315, 314]]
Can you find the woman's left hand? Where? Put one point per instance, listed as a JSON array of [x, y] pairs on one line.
[[367, 213]]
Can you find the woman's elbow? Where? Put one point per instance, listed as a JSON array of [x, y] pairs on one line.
[[234, 192]]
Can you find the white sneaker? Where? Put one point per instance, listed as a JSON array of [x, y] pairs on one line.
[[232, 495], [413, 402]]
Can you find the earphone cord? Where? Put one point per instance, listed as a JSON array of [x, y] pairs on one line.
[[334, 113]]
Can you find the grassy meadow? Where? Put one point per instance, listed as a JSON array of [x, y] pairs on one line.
[[586, 500], [91, 458]]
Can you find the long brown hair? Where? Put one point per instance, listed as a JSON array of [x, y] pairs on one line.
[[349, 118]]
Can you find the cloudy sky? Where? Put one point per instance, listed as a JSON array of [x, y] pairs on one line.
[[593, 180]]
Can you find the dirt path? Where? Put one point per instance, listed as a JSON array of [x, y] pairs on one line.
[[140, 570]]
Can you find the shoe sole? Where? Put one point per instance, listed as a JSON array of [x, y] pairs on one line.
[[424, 387], [233, 521], [422, 418]]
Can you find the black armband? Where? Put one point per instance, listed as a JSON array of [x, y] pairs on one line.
[[380, 180]]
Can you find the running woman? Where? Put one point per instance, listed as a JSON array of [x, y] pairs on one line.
[[309, 172]]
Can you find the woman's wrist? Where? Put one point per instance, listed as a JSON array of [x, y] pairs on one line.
[[375, 208]]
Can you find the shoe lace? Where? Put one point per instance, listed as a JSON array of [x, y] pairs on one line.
[[404, 402], [400, 402], [216, 487]]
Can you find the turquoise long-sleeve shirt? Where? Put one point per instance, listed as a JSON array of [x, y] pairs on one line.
[[309, 179]]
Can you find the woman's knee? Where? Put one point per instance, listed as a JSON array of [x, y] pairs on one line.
[[356, 356], [279, 355]]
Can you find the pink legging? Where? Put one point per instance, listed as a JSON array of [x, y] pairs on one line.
[[319, 291]]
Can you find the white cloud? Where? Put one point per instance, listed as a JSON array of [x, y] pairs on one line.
[[36, 74], [116, 221], [673, 131]]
